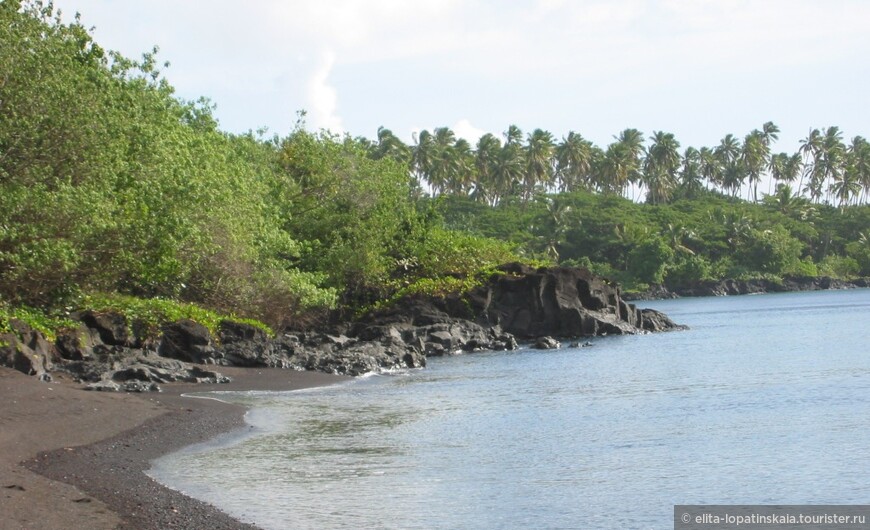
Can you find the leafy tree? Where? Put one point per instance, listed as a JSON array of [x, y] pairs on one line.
[[687, 270], [773, 251], [649, 260]]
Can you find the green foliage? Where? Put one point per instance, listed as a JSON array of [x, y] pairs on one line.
[[860, 252], [839, 267], [437, 287], [806, 267], [153, 312], [47, 324], [687, 270], [460, 255], [353, 212], [772, 251], [109, 183], [648, 261]]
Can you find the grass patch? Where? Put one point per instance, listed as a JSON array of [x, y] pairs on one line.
[[154, 312], [47, 324]]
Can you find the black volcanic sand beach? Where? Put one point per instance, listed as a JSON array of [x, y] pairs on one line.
[[72, 458]]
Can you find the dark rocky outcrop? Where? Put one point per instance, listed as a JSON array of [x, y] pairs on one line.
[[27, 351], [186, 340], [529, 303], [557, 301], [111, 327], [105, 352]]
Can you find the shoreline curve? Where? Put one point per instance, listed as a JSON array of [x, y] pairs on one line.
[[78, 458]]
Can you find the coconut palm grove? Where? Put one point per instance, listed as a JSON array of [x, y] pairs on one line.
[[116, 193]]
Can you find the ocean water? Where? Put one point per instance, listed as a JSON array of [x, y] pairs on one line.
[[765, 400]]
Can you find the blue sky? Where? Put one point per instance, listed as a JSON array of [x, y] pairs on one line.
[[697, 68]]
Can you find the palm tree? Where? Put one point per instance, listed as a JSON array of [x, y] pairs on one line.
[[661, 165], [509, 170], [858, 157], [784, 167], [769, 133], [461, 176], [573, 162], [727, 153], [676, 237], [786, 201], [444, 163], [539, 162], [710, 167], [630, 236], [690, 174], [810, 146], [486, 163], [513, 135], [632, 140], [423, 154], [389, 145], [614, 169], [738, 226], [833, 156], [845, 186], [776, 167], [754, 158]]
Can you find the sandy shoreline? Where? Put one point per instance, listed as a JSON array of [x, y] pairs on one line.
[[76, 459]]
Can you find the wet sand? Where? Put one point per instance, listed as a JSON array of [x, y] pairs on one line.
[[70, 458]]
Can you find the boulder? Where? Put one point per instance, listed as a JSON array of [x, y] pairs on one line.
[[547, 343], [111, 327], [27, 351], [77, 344], [230, 332], [187, 340], [657, 321]]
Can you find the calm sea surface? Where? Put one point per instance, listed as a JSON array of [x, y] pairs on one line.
[[765, 400]]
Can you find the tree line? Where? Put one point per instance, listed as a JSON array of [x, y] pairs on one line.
[[110, 184], [826, 168]]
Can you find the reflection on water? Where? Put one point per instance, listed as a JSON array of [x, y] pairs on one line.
[[764, 400]]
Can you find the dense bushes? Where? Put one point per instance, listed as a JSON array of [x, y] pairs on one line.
[[707, 237], [108, 183]]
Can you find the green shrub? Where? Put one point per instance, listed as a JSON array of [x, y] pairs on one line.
[[687, 270], [843, 267], [48, 325], [153, 312]]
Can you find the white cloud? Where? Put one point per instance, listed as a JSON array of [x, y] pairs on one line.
[[323, 97], [464, 129]]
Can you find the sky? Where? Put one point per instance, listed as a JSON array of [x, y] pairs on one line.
[[697, 68]]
